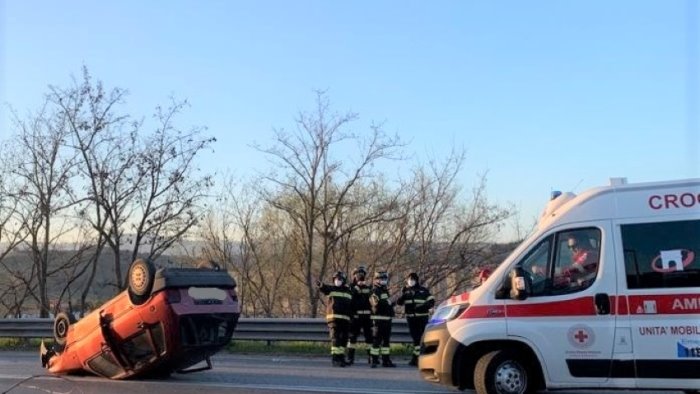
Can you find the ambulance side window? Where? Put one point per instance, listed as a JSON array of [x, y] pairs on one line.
[[577, 258], [662, 255], [536, 265]]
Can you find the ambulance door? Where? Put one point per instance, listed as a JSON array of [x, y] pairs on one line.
[[662, 282], [567, 316]]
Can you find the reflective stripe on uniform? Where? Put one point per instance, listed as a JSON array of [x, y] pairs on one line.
[[409, 302], [374, 351], [385, 351], [377, 317], [337, 350], [384, 296], [364, 312], [340, 294], [335, 316], [417, 314]]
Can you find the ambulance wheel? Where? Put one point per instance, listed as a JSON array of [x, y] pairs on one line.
[[141, 275], [502, 372], [60, 328]]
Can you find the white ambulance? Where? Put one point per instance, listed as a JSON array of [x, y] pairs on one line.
[[604, 295]]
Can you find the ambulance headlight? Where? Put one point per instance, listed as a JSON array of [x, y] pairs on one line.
[[446, 313]]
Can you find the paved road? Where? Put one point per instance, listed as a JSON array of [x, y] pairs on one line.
[[21, 373]]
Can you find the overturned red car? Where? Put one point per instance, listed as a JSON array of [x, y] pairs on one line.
[[168, 320]]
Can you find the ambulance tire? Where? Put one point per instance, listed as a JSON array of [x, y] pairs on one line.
[[502, 372]]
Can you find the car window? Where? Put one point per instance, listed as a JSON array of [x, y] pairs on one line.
[[105, 364], [536, 264], [158, 339], [565, 262], [662, 255], [577, 260], [138, 349]]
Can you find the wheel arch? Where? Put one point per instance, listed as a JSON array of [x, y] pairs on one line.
[[466, 357]]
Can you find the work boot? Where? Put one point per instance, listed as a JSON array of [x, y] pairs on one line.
[[386, 362], [338, 361], [375, 361], [351, 356], [414, 361]]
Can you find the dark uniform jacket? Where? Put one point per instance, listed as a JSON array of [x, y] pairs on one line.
[[417, 301], [360, 299], [339, 303], [382, 308]]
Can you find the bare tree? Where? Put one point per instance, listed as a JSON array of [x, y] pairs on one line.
[[445, 236], [170, 187], [13, 293], [11, 232], [143, 188], [106, 144], [253, 243], [85, 174], [316, 183], [43, 168]]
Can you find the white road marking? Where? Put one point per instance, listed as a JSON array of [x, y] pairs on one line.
[[308, 389]]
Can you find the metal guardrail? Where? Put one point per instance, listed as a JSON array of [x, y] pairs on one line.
[[254, 329]]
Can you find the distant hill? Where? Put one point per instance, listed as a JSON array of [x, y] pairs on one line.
[[103, 287]]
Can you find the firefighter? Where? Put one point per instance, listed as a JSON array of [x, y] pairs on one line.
[[417, 302], [382, 312], [338, 312], [360, 321]]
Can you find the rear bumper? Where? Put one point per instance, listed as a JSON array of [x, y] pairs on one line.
[[196, 337], [436, 355], [207, 333]]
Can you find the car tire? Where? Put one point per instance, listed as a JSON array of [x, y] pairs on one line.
[[141, 275], [502, 372], [61, 324]]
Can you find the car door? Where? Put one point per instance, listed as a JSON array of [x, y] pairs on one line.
[[662, 281], [569, 322]]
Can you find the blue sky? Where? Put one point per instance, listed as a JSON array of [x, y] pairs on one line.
[[542, 94]]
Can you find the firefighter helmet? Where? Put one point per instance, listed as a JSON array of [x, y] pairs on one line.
[[340, 275], [359, 273], [381, 276]]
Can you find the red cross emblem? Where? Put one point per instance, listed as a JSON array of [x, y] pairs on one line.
[[581, 336]]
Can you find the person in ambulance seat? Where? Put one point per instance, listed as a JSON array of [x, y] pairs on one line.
[[361, 320], [338, 312], [417, 302], [584, 262]]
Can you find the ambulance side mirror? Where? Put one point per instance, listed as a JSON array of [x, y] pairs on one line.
[[519, 284]]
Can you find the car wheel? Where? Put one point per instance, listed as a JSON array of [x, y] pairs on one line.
[[502, 372], [60, 328], [141, 276]]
